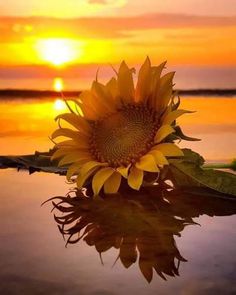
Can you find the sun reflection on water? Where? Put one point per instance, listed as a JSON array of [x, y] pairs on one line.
[[59, 105], [58, 84]]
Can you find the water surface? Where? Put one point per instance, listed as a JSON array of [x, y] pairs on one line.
[[26, 124]]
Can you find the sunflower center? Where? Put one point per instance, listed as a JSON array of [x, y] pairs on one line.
[[124, 136]]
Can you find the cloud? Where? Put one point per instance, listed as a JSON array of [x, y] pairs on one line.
[[15, 29], [81, 75]]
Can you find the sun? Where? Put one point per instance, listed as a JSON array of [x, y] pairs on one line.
[[58, 51]]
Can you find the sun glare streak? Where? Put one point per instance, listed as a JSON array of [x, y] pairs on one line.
[[58, 84], [59, 51]]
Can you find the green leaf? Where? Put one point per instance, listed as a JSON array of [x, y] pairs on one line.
[[32, 163], [188, 173], [179, 134]]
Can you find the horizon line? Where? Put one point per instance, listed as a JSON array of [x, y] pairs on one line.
[[29, 93]]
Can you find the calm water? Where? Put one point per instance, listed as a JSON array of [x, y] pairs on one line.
[[33, 256]]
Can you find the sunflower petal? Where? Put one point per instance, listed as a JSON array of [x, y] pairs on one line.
[[102, 97], [87, 105], [74, 157], [147, 163], [58, 154], [88, 112], [73, 144], [172, 116], [112, 184], [74, 168], [143, 84], [100, 177], [112, 87], [76, 121], [169, 149], [90, 165], [125, 83], [163, 132], [123, 171], [165, 91], [155, 83], [135, 178], [66, 132], [65, 151], [159, 157], [82, 178]]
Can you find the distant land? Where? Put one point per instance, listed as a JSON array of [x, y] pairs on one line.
[[19, 93]]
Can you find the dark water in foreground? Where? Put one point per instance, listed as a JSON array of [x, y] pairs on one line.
[[162, 233]]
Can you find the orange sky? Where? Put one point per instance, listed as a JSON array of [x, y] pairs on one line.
[[62, 33]]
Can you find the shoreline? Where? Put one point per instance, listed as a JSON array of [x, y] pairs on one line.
[[29, 93]]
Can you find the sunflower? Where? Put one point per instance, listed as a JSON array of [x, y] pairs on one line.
[[120, 131]]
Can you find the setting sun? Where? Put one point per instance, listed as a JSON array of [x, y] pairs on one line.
[[58, 51]]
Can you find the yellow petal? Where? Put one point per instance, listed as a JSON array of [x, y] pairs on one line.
[[74, 108], [155, 83], [100, 177], [159, 157], [163, 132], [167, 111], [73, 169], [88, 112], [123, 171], [66, 143], [58, 154], [90, 165], [74, 157], [169, 149], [66, 132], [112, 184], [82, 178], [164, 92], [125, 83], [144, 82], [135, 178], [75, 120], [87, 105], [147, 163], [73, 144], [172, 116], [103, 99], [64, 151], [112, 87]]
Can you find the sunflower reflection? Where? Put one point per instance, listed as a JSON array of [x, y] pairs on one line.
[[140, 225]]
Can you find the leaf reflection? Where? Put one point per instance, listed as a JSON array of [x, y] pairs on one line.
[[140, 225]]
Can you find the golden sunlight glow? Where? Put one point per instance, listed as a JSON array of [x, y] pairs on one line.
[[58, 84], [58, 51], [59, 105]]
